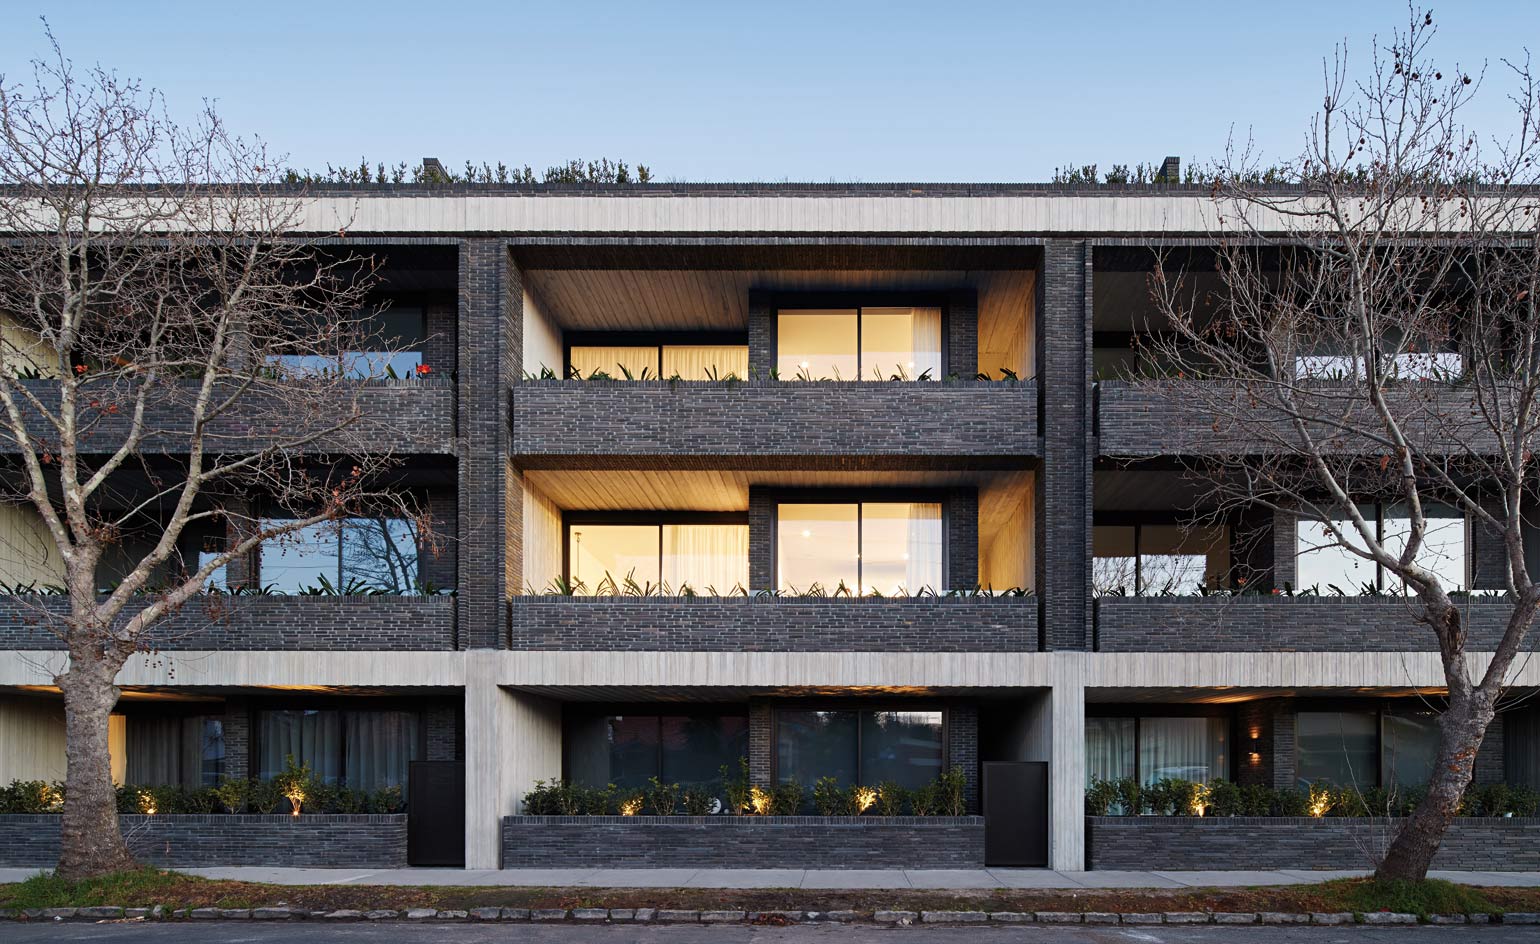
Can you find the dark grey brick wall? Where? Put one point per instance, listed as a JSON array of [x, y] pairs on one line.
[[765, 842], [773, 424], [762, 334], [784, 624], [441, 349], [408, 416], [363, 841], [258, 622], [443, 724], [962, 538], [962, 747], [1190, 843], [962, 334], [490, 310], [1279, 624], [1178, 417], [1064, 534]]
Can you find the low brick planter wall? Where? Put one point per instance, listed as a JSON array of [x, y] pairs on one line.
[[775, 624], [1279, 624], [742, 842], [800, 423], [1247, 842], [364, 841], [362, 623]]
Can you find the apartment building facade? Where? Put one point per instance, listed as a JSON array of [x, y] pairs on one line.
[[807, 481]]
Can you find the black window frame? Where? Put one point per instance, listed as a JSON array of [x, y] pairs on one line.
[[775, 729], [859, 301], [1139, 520], [656, 518], [654, 339], [1379, 706], [655, 710], [1379, 535], [340, 705], [208, 711], [858, 497], [1138, 712]]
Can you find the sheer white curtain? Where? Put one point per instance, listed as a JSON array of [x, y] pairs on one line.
[[1182, 749], [588, 358], [706, 557], [925, 329], [699, 361], [380, 744], [1109, 748], [310, 737], [923, 554]]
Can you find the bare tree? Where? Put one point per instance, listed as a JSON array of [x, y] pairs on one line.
[[1375, 337], [171, 350]]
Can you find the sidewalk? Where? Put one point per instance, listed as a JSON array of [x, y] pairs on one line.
[[806, 878]]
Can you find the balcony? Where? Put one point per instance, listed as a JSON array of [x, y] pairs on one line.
[[1281, 624], [775, 624], [770, 425], [284, 623]]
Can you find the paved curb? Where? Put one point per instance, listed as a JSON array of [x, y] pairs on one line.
[[896, 918]]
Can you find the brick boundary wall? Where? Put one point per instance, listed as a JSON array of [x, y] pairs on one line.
[[554, 420], [1279, 624], [777, 624], [766, 842], [362, 841], [1245, 842], [226, 622]]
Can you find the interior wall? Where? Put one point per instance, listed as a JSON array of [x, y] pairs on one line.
[[542, 336], [542, 539], [28, 553], [1007, 550], [1007, 322], [23, 351], [32, 740], [1019, 729]]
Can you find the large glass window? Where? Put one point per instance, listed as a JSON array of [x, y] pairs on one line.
[[1156, 559], [1194, 748], [709, 558], [1408, 746], [859, 343], [1338, 747], [859, 746], [1326, 564], [376, 553], [659, 361], [630, 749], [887, 548], [364, 749], [186, 751], [391, 339]]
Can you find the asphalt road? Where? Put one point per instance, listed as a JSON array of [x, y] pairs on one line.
[[241, 932]]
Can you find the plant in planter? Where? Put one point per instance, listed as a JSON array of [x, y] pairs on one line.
[[735, 789], [662, 797], [952, 795], [859, 799], [231, 795], [829, 797], [1225, 798], [696, 801], [1131, 796], [925, 800], [631, 802], [787, 799], [891, 799], [1100, 797]]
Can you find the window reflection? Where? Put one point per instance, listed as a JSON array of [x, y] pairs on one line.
[[1326, 564], [1154, 560], [370, 553]]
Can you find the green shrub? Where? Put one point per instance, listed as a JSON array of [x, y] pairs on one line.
[[32, 796], [263, 796], [1257, 800], [891, 799], [662, 797], [1347, 802], [1100, 797], [1525, 801], [735, 789], [952, 792], [787, 798], [1226, 798], [232, 794], [386, 800], [1289, 801], [829, 797], [696, 801], [1131, 796], [926, 800]]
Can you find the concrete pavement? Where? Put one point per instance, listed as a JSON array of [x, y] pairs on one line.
[[806, 878]]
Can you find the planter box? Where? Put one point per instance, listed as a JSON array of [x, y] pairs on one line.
[[362, 841], [1257, 623], [775, 624], [361, 623], [742, 842], [1244, 842]]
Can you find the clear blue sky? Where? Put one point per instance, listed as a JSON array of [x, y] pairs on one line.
[[830, 90]]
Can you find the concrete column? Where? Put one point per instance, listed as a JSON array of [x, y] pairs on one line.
[[512, 739], [1066, 776]]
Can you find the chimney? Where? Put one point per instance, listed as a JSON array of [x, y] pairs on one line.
[[434, 170], [1171, 170]]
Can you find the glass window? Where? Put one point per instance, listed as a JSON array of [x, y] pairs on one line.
[[889, 548], [1338, 747], [1443, 541], [709, 558], [602, 555], [1109, 748], [629, 750], [902, 746], [364, 750], [1158, 559], [377, 553], [1408, 747], [615, 360], [1325, 563], [900, 342], [1192, 749], [817, 344], [186, 751], [705, 361], [1444, 366], [1114, 560]]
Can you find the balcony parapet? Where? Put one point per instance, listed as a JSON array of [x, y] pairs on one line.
[[1260, 623], [774, 424], [231, 622], [775, 624]]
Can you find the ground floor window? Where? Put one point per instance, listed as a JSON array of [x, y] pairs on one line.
[[866, 746], [629, 749], [180, 750], [1157, 748], [363, 749], [1366, 747]]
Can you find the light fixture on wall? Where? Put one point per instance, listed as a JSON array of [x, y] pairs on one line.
[[1256, 746]]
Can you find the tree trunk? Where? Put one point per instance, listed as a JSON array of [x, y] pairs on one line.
[[1462, 728], [90, 842]]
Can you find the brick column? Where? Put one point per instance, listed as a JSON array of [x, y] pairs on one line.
[[761, 336], [962, 736], [962, 334], [1488, 557], [236, 725], [761, 540], [962, 539], [1065, 339], [761, 733], [1285, 550], [491, 335]]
